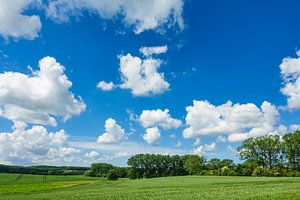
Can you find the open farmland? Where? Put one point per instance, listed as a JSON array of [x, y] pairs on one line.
[[14, 186]]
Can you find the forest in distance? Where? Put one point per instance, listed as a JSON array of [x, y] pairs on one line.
[[263, 156]]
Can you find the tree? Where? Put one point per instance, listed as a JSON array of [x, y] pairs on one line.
[[265, 150], [101, 169], [112, 175], [227, 163], [194, 164], [214, 164], [291, 149]]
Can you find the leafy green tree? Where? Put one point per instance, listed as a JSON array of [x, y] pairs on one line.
[[112, 175], [214, 164], [265, 150], [291, 149], [194, 164]]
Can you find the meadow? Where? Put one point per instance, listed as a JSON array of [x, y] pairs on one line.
[[15, 186]]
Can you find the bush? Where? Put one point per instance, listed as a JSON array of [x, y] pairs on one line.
[[89, 173], [112, 176], [258, 171]]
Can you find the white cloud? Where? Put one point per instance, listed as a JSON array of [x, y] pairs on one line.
[[141, 76], [15, 24], [294, 127], [197, 142], [237, 137], [160, 118], [114, 133], [34, 146], [178, 144], [106, 86], [201, 150], [221, 139], [149, 51], [39, 97], [198, 151], [141, 15], [173, 136], [290, 71], [204, 118], [152, 135], [210, 147], [92, 154]]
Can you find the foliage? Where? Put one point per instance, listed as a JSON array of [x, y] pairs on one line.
[[112, 175], [43, 170]]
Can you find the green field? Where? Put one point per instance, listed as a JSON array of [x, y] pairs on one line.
[[15, 186]]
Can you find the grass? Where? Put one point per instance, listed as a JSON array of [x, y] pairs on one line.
[[12, 186]]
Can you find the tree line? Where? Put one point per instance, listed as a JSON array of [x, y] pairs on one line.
[[43, 170], [263, 156]]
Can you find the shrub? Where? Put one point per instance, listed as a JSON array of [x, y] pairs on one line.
[[112, 175], [89, 173], [258, 171]]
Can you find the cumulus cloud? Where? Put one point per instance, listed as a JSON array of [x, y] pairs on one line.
[[15, 24], [204, 118], [149, 51], [221, 139], [160, 118], [92, 154], [290, 71], [198, 151], [294, 127], [179, 144], [197, 142], [201, 150], [113, 134], [34, 146], [237, 137], [141, 15], [106, 86], [38, 97], [141, 76], [210, 147], [152, 135]]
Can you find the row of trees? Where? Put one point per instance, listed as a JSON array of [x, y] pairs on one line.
[[43, 170], [264, 156], [273, 152]]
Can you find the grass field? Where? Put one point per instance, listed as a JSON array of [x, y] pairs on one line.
[[15, 186]]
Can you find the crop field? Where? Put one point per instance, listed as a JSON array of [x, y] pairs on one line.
[[15, 186]]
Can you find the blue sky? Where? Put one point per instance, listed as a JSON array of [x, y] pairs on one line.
[[221, 51]]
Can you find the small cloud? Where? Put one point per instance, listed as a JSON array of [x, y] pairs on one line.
[[106, 86]]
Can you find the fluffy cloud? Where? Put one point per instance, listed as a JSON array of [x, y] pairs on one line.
[[13, 23], [114, 133], [142, 15], [290, 71], [204, 118], [39, 97], [92, 154], [106, 86], [149, 51], [160, 118], [221, 139], [141, 76], [201, 150], [152, 135], [34, 146]]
